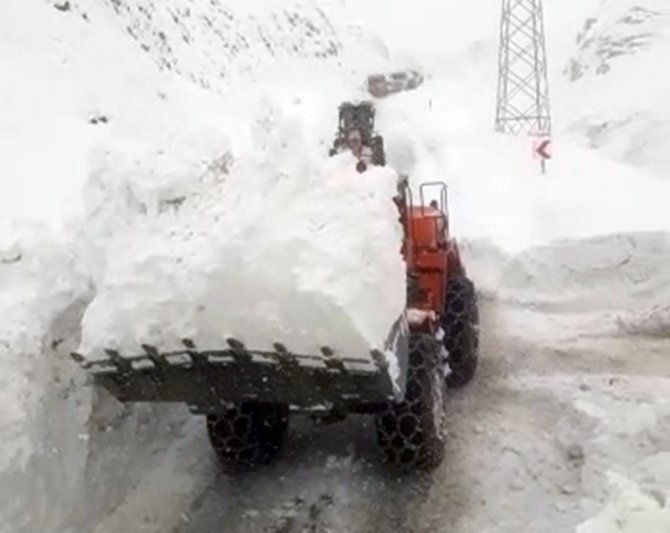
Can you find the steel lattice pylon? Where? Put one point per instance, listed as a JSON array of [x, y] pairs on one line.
[[523, 90]]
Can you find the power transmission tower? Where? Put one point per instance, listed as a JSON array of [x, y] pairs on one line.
[[523, 89]]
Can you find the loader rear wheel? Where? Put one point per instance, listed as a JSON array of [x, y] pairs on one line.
[[461, 327], [412, 433], [248, 434]]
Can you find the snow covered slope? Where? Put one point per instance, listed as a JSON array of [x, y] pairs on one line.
[[82, 73], [496, 189], [593, 46], [623, 45]]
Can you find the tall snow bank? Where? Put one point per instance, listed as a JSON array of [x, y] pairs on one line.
[[120, 77], [279, 246], [31, 297], [44, 405]]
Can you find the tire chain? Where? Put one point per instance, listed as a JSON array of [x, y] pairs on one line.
[[461, 327], [248, 434], [411, 433]]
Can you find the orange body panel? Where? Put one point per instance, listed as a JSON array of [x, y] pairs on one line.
[[431, 256]]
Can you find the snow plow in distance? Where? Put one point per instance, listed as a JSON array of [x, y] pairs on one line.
[[247, 394]]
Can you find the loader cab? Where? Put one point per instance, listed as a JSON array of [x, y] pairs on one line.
[[356, 132], [431, 255]]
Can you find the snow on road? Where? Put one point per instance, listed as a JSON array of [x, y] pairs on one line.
[[532, 440]]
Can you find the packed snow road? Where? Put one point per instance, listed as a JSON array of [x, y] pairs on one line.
[[518, 459], [562, 398]]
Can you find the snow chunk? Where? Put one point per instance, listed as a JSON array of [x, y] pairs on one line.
[[631, 511], [288, 248]]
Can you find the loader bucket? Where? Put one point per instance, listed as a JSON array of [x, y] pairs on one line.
[[208, 380]]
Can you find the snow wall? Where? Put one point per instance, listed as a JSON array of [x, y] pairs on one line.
[[136, 136]]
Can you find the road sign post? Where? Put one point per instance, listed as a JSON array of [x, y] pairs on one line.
[[542, 151]]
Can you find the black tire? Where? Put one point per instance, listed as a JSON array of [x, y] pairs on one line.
[[249, 434], [461, 328], [411, 433]]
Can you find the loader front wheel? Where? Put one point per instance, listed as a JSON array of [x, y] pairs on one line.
[[461, 331], [248, 434], [411, 433]]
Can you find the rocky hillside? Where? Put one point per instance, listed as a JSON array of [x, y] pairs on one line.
[[618, 84]]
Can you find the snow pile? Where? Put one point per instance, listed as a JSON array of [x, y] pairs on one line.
[[280, 246], [90, 81], [74, 86], [622, 273], [438, 133], [44, 406], [610, 423], [116, 62], [653, 322], [30, 300], [631, 510]]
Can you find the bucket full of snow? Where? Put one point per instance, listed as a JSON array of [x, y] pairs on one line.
[[244, 280]]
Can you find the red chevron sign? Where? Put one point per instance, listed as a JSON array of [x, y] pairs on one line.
[[542, 149]]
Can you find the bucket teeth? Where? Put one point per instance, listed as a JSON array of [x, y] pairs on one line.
[[331, 362], [280, 348], [240, 352], [336, 364], [122, 364], [285, 358], [77, 357], [327, 351], [380, 359], [155, 356], [204, 377], [192, 351], [190, 345]]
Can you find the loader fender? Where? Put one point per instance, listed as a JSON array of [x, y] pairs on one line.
[[455, 266]]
